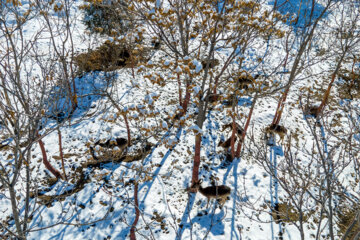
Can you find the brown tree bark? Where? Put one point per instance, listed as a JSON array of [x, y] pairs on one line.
[[137, 213], [196, 166], [14, 205], [180, 91], [326, 96], [241, 140], [127, 129], [295, 67], [61, 154], [47, 164], [280, 107], [232, 144], [186, 101], [327, 93]]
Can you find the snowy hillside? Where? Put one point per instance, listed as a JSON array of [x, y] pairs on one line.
[[175, 119]]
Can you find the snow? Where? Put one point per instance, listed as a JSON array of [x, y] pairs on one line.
[[196, 89], [178, 69], [167, 210]]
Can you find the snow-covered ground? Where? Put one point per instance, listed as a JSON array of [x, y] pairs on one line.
[[97, 201]]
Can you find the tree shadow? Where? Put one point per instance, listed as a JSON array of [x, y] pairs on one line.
[[148, 185], [303, 11], [234, 167], [184, 224], [212, 222], [156, 172], [61, 233], [89, 89]]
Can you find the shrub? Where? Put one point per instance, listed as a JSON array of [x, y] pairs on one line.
[[349, 85], [346, 216], [106, 17], [107, 57]]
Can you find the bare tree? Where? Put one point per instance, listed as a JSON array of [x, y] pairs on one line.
[[305, 32], [21, 108], [192, 34], [28, 77]]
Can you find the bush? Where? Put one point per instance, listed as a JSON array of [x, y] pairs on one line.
[[346, 216], [106, 17], [107, 57], [286, 213], [349, 85]]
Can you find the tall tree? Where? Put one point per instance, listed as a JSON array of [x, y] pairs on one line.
[[304, 26], [21, 108], [202, 40]]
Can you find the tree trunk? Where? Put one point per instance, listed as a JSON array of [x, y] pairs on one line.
[[330, 212], [72, 95], [327, 93], [326, 96], [186, 100], [199, 122], [295, 66], [280, 107], [196, 166], [180, 91], [232, 143], [27, 194], [242, 139], [47, 164], [15, 212], [137, 213], [127, 129], [61, 154]]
